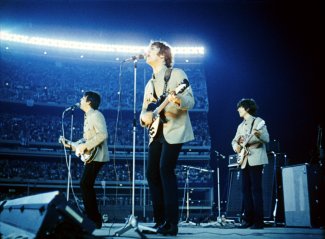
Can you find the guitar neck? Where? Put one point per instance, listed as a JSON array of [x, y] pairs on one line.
[[259, 127], [248, 139], [69, 143], [161, 106]]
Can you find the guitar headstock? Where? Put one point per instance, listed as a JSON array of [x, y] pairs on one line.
[[61, 139], [260, 125], [64, 141], [180, 89]]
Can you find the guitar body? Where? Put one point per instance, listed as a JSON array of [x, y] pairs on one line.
[[158, 118], [242, 157], [158, 107], [153, 128], [87, 156]]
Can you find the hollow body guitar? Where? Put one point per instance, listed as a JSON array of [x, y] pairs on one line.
[[244, 152], [86, 157], [160, 105]]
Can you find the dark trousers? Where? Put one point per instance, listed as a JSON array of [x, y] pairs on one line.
[[252, 194], [87, 182], [162, 180]]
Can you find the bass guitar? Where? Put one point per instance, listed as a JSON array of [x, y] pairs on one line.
[[153, 127], [86, 157], [244, 152]]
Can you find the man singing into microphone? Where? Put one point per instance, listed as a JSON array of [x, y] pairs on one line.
[[94, 143], [174, 129]]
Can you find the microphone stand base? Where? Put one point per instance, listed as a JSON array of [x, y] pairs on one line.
[[131, 223], [226, 223], [187, 222]]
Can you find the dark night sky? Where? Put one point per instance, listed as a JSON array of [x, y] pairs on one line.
[[266, 50]]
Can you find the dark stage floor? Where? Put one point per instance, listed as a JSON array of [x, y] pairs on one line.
[[208, 231], [214, 230]]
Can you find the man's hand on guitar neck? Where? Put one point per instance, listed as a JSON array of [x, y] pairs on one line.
[[257, 133], [66, 143], [173, 98]]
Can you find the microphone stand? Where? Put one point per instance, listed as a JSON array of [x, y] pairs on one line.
[[275, 210], [187, 190], [220, 220], [132, 221], [70, 152], [218, 186]]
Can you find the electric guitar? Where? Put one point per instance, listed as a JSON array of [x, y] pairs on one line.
[[244, 152], [153, 127], [86, 157]]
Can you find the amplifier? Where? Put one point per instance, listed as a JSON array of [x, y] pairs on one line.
[[272, 192], [232, 160], [302, 195]]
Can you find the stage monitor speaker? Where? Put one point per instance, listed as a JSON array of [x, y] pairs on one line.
[[301, 195], [45, 215]]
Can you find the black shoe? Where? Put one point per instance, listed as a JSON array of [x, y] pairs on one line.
[[257, 226], [98, 224], [168, 229], [155, 227], [245, 225]]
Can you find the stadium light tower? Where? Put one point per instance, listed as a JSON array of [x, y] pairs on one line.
[[88, 46]]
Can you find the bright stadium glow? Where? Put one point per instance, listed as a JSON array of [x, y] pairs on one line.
[[40, 41]]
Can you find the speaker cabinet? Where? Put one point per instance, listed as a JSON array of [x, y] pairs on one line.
[[234, 202], [45, 215], [272, 190], [301, 195]]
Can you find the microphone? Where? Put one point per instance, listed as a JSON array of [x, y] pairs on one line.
[[133, 58], [219, 154], [76, 105], [206, 170]]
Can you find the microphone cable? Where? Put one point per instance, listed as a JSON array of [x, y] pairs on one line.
[[76, 199], [118, 111]]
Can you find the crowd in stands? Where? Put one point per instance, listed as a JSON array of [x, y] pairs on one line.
[[56, 81], [29, 129], [119, 172]]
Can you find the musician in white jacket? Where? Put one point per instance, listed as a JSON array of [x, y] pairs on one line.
[[249, 142], [174, 129], [94, 137]]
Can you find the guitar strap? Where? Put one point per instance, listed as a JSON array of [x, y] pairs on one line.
[[252, 126], [248, 145], [168, 73]]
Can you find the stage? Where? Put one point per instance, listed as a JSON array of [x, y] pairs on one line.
[[215, 231], [207, 231]]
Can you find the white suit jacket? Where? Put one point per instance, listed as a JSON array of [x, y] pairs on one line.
[[258, 155], [178, 128]]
